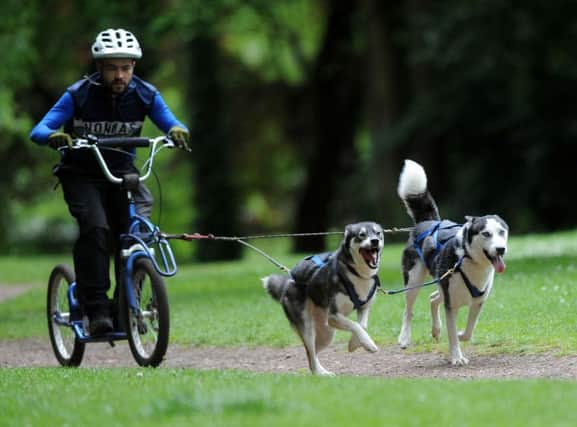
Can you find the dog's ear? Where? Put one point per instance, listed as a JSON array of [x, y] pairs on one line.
[[348, 235], [348, 232], [467, 236], [470, 218], [502, 222]]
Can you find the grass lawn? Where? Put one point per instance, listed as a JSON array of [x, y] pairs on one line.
[[169, 397], [532, 309]]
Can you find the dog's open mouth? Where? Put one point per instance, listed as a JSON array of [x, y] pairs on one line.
[[371, 256], [497, 261]]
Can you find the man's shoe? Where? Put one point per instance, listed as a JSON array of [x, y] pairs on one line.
[[99, 324]]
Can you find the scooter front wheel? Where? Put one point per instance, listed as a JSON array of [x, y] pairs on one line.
[[147, 323]]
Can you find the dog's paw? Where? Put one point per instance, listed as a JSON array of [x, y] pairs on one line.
[[463, 336], [459, 361], [323, 372], [354, 344], [404, 341], [370, 347]]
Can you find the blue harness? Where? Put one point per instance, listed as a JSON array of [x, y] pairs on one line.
[[322, 260], [433, 232]]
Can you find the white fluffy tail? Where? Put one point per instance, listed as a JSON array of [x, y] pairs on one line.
[[413, 180], [412, 190]]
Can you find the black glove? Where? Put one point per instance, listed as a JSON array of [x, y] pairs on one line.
[[59, 139], [180, 137]]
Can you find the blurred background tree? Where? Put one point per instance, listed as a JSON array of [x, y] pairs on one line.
[[302, 111]]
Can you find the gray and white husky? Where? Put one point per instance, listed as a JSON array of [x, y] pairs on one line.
[[474, 251], [322, 290]]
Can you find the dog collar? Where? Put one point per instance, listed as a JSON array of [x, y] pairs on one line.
[[352, 270], [355, 273]]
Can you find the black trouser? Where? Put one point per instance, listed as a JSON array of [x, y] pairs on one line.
[[101, 211]]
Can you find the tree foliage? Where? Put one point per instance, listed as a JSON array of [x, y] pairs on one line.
[[303, 111], [500, 113]]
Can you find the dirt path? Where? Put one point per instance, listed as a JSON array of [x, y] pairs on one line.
[[11, 291], [388, 362]]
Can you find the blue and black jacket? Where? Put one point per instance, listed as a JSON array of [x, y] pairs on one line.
[[88, 108]]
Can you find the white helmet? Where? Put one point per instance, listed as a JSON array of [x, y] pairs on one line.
[[117, 43]]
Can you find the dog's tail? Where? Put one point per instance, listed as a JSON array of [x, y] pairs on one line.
[[276, 285], [414, 193]]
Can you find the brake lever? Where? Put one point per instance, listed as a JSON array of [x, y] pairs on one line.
[[171, 144], [92, 139]]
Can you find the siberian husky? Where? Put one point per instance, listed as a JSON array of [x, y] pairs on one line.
[[474, 251], [322, 290]]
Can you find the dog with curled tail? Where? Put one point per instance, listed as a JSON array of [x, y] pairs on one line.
[[473, 251]]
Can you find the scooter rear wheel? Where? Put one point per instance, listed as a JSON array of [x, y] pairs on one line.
[[67, 348]]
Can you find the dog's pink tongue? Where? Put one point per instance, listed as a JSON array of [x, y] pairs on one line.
[[499, 264]]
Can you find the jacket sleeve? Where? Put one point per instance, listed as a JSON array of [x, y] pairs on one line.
[[59, 114], [161, 115]]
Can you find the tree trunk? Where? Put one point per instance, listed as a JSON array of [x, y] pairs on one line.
[[388, 98], [215, 196], [336, 86]]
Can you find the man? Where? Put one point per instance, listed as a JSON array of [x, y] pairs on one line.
[[112, 102]]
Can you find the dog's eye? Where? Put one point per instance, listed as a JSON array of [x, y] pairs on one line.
[[362, 235], [486, 234], [501, 233]]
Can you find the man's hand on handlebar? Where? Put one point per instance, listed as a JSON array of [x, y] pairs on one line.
[[59, 139], [180, 137]]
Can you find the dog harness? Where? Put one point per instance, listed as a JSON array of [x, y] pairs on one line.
[[322, 260], [433, 231], [473, 290]]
